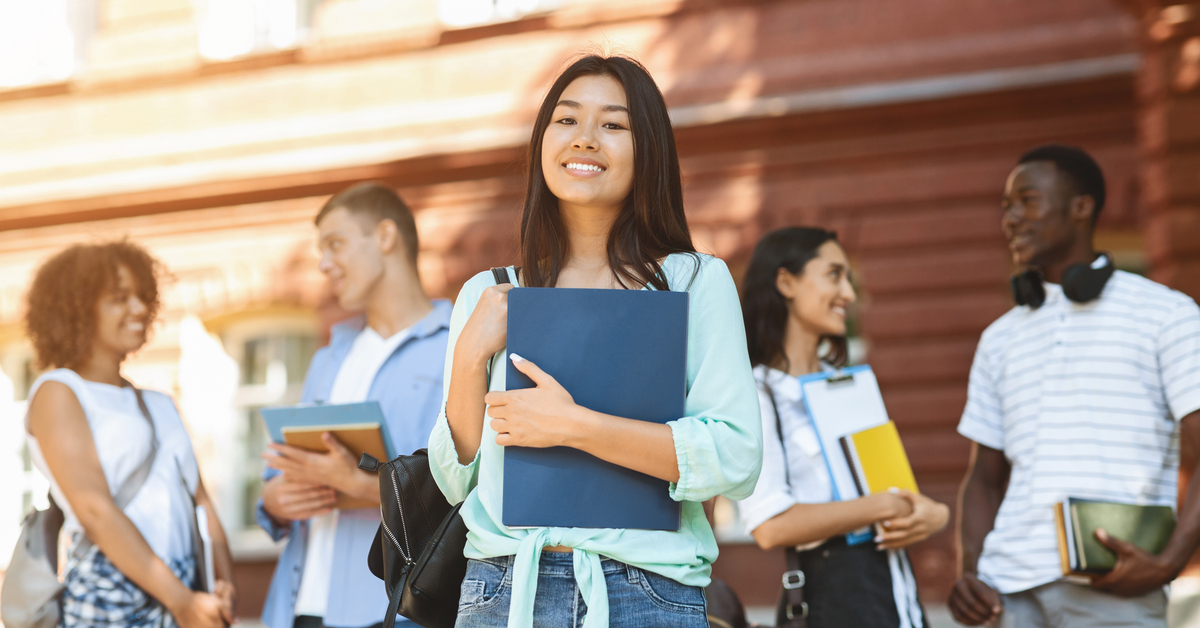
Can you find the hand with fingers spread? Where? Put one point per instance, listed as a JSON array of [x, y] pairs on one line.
[[973, 603], [532, 417], [287, 500], [927, 518], [1137, 571]]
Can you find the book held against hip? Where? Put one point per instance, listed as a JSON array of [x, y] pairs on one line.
[[877, 460], [1076, 521], [359, 438], [620, 352]]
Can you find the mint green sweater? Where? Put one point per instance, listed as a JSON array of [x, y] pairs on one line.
[[718, 446]]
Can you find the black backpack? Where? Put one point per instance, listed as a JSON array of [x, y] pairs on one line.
[[418, 549]]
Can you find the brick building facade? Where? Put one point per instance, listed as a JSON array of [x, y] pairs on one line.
[[894, 122]]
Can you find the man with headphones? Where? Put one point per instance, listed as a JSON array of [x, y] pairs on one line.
[[1084, 389]]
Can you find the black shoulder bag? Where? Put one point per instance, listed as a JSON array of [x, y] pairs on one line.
[[792, 610], [418, 549]]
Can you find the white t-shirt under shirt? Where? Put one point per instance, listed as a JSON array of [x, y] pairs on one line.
[[1085, 401], [162, 509], [353, 382]]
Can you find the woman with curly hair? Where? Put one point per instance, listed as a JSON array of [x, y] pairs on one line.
[[92, 434]]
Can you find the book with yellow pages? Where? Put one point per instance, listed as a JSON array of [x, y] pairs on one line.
[[359, 438], [877, 460], [1076, 521]]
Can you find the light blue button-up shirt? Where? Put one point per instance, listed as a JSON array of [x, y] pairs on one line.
[[408, 388]]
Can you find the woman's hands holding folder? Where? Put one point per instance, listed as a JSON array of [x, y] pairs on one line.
[[533, 417], [486, 331], [547, 416], [484, 334]]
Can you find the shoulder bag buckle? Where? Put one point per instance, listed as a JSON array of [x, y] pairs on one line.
[[793, 579], [791, 614]]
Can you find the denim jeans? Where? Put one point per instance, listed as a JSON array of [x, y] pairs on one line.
[[636, 598]]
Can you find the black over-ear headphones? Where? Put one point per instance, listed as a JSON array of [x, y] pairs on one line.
[[1080, 283]]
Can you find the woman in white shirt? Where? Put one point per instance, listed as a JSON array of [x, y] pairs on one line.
[[87, 430], [794, 300]]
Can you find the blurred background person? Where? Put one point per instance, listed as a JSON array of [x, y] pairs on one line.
[[795, 297], [1084, 389], [89, 307], [392, 353]]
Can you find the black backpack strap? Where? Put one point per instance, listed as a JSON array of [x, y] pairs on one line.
[[793, 610], [500, 273], [389, 620]]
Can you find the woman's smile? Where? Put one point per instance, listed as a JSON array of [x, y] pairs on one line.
[[584, 167]]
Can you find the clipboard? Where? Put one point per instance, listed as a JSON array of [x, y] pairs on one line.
[[840, 403]]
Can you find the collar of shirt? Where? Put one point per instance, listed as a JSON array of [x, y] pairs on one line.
[[343, 333], [783, 386]]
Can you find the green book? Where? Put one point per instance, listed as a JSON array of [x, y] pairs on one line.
[[1148, 527]]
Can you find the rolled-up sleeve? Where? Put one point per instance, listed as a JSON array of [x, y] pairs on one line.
[[772, 495], [718, 444], [455, 479]]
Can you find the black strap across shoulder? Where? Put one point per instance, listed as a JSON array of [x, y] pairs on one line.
[[792, 610], [500, 273]]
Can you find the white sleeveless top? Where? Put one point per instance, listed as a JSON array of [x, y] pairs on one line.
[[162, 509]]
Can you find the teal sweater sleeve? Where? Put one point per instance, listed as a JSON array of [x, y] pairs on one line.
[[719, 443]]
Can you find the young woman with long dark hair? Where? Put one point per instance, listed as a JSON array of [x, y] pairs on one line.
[[603, 209], [89, 431], [794, 300]]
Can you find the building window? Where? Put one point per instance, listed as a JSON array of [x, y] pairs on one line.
[[462, 13], [43, 41], [272, 363], [235, 28]]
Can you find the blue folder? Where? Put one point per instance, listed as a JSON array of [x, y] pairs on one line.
[[321, 414], [620, 352]]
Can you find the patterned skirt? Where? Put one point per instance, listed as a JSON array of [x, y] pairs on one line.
[[98, 594]]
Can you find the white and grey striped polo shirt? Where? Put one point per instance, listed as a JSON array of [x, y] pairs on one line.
[[1085, 401]]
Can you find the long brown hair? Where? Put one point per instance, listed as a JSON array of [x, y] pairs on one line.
[[651, 224], [764, 309]]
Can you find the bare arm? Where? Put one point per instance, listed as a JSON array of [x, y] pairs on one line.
[[484, 334], [972, 602], [639, 445], [57, 421], [806, 523]]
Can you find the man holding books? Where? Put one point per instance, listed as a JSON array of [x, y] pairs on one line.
[[394, 353], [1083, 390]]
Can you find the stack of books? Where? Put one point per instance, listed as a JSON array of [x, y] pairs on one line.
[[1082, 555]]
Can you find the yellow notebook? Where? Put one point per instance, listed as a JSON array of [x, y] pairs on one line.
[[359, 438], [877, 460]]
